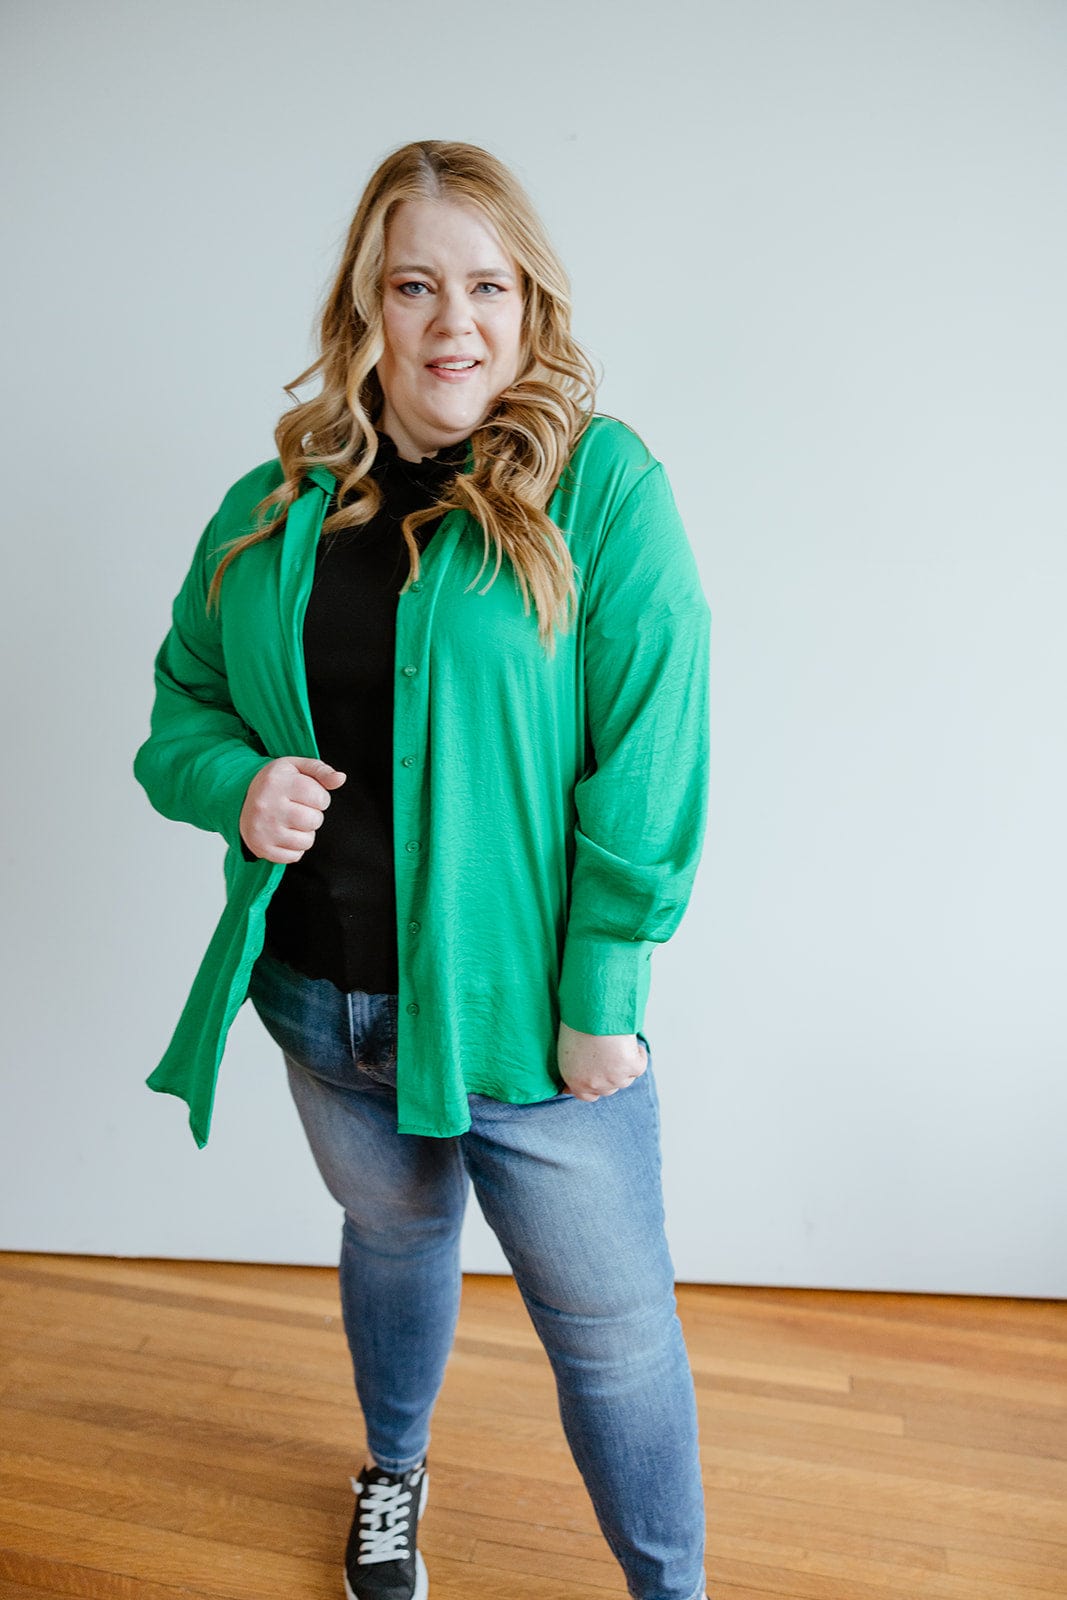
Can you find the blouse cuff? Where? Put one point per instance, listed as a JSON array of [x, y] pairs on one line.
[[604, 983]]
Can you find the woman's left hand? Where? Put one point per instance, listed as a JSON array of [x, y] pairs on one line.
[[596, 1064]]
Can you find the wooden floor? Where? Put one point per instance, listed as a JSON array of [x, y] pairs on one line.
[[174, 1429]]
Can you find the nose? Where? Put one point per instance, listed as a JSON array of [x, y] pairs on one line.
[[453, 313]]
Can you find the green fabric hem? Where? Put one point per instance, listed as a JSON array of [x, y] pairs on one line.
[[199, 1133], [432, 1133], [483, 1089]]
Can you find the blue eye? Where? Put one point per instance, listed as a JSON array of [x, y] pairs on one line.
[[416, 284]]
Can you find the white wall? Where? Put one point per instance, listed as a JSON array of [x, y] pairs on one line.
[[820, 250]]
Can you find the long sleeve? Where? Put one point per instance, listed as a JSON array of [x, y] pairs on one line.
[[642, 803], [199, 758]]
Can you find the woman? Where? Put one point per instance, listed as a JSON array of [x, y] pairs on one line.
[[458, 826]]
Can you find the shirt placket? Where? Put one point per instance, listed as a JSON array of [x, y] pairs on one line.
[[416, 1075]]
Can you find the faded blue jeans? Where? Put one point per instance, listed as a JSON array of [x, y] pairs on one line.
[[571, 1188]]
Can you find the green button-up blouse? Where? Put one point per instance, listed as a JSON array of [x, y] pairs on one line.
[[549, 813]]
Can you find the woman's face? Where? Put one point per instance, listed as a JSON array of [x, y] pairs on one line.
[[449, 290]]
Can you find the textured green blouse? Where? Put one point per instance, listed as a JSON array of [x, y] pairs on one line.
[[549, 813]]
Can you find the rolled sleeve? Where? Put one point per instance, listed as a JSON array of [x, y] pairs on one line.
[[641, 806]]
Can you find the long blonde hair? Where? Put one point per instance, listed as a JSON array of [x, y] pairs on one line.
[[521, 448]]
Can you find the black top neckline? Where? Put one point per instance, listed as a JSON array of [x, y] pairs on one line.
[[407, 483], [443, 464]]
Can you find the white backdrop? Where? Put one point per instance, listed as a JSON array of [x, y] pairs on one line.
[[819, 250]]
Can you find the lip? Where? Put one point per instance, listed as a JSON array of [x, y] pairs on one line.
[[437, 359], [447, 375]]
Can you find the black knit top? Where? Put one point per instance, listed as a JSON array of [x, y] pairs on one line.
[[333, 915]]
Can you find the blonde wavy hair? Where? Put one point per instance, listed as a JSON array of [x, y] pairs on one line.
[[523, 445]]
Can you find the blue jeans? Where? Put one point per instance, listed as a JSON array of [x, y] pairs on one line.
[[571, 1189]]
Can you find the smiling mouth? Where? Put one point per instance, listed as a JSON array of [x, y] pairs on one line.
[[453, 372]]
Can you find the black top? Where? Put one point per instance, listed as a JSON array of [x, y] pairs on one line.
[[333, 915]]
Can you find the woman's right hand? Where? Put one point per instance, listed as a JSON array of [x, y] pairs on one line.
[[284, 805]]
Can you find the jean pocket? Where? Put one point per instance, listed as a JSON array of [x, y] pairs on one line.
[[309, 1020], [382, 1073]]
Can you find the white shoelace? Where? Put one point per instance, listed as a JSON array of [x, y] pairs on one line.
[[384, 1521]]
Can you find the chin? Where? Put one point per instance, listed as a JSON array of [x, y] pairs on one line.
[[462, 420]]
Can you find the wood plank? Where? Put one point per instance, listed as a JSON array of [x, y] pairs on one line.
[[183, 1429], [108, 1544], [43, 1578]]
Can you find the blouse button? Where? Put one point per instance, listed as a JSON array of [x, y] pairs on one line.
[[413, 1007], [409, 672], [417, 585], [412, 845], [413, 927], [407, 761]]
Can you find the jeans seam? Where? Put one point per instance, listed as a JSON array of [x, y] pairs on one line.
[[349, 1001]]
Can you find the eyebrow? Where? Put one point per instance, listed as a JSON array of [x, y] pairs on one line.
[[479, 272]]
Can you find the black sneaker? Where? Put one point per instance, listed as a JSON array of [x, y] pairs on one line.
[[381, 1561]]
